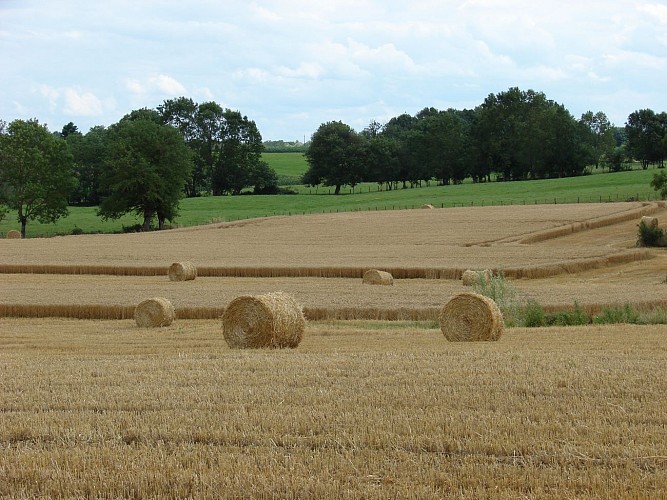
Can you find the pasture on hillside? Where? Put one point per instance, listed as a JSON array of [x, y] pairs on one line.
[[597, 188], [374, 402]]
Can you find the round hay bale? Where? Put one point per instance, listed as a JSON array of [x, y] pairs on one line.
[[470, 277], [13, 235], [470, 317], [155, 312], [650, 222], [375, 277], [427, 205], [182, 271], [273, 320]]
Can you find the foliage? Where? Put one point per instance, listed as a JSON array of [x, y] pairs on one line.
[[226, 146], [646, 132], [568, 318], [503, 293], [650, 236], [146, 166], [533, 315], [334, 156], [659, 183], [615, 315], [35, 173], [88, 151]]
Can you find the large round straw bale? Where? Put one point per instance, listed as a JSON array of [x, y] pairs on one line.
[[375, 277], [427, 205], [182, 271], [650, 222], [13, 235], [470, 317], [154, 313], [272, 320], [471, 277]]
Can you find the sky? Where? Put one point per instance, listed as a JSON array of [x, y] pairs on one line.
[[292, 65]]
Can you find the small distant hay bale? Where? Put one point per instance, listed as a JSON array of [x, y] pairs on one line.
[[470, 277], [427, 205], [470, 317], [375, 277], [155, 312], [650, 222], [182, 271], [273, 320], [13, 235]]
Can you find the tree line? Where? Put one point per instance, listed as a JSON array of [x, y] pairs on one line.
[[151, 158], [514, 135]]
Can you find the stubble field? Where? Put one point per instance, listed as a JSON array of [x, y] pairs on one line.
[[361, 409]]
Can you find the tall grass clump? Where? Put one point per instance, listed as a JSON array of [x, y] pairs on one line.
[[615, 315], [576, 317], [533, 315], [650, 235], [503, 293]]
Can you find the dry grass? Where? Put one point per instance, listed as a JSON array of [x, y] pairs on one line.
[[91, 409], [419, 239]]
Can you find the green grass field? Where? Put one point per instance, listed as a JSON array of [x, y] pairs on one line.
[[287, 164], [620, 186]]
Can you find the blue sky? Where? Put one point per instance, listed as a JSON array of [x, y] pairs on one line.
[[292, 65]]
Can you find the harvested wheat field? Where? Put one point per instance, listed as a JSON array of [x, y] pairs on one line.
[[92, 409], [451, 239], [359, 409], [556, 255]]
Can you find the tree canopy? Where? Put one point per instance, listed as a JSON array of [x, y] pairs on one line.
[[146, 167], [36, 175]]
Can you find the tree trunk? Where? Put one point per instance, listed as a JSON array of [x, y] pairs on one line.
[[24, 221], [148, 215], [337, 191]]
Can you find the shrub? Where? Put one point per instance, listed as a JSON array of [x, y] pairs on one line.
[[650, 236], [533, 315], [568, 318], [503, 293], [615, 315]]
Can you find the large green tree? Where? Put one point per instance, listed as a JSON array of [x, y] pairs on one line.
[[335, 156], [227, 147], [35, 173], [646, 131], [146, 167], [600, 135]]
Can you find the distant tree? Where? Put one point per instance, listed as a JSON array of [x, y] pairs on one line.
[[616, 159], [646, 131], [89, 155], [145, 169], [69, 129], [35, 173], [226, 145], [659, 183], [335, 156], [522, 134], [601, 134]]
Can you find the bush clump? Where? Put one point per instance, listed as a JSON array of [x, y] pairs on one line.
[[569, 318], [650, 236], [616, 315]]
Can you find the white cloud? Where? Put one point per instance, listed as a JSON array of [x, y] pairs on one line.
[[168, 85], [82, 104]]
